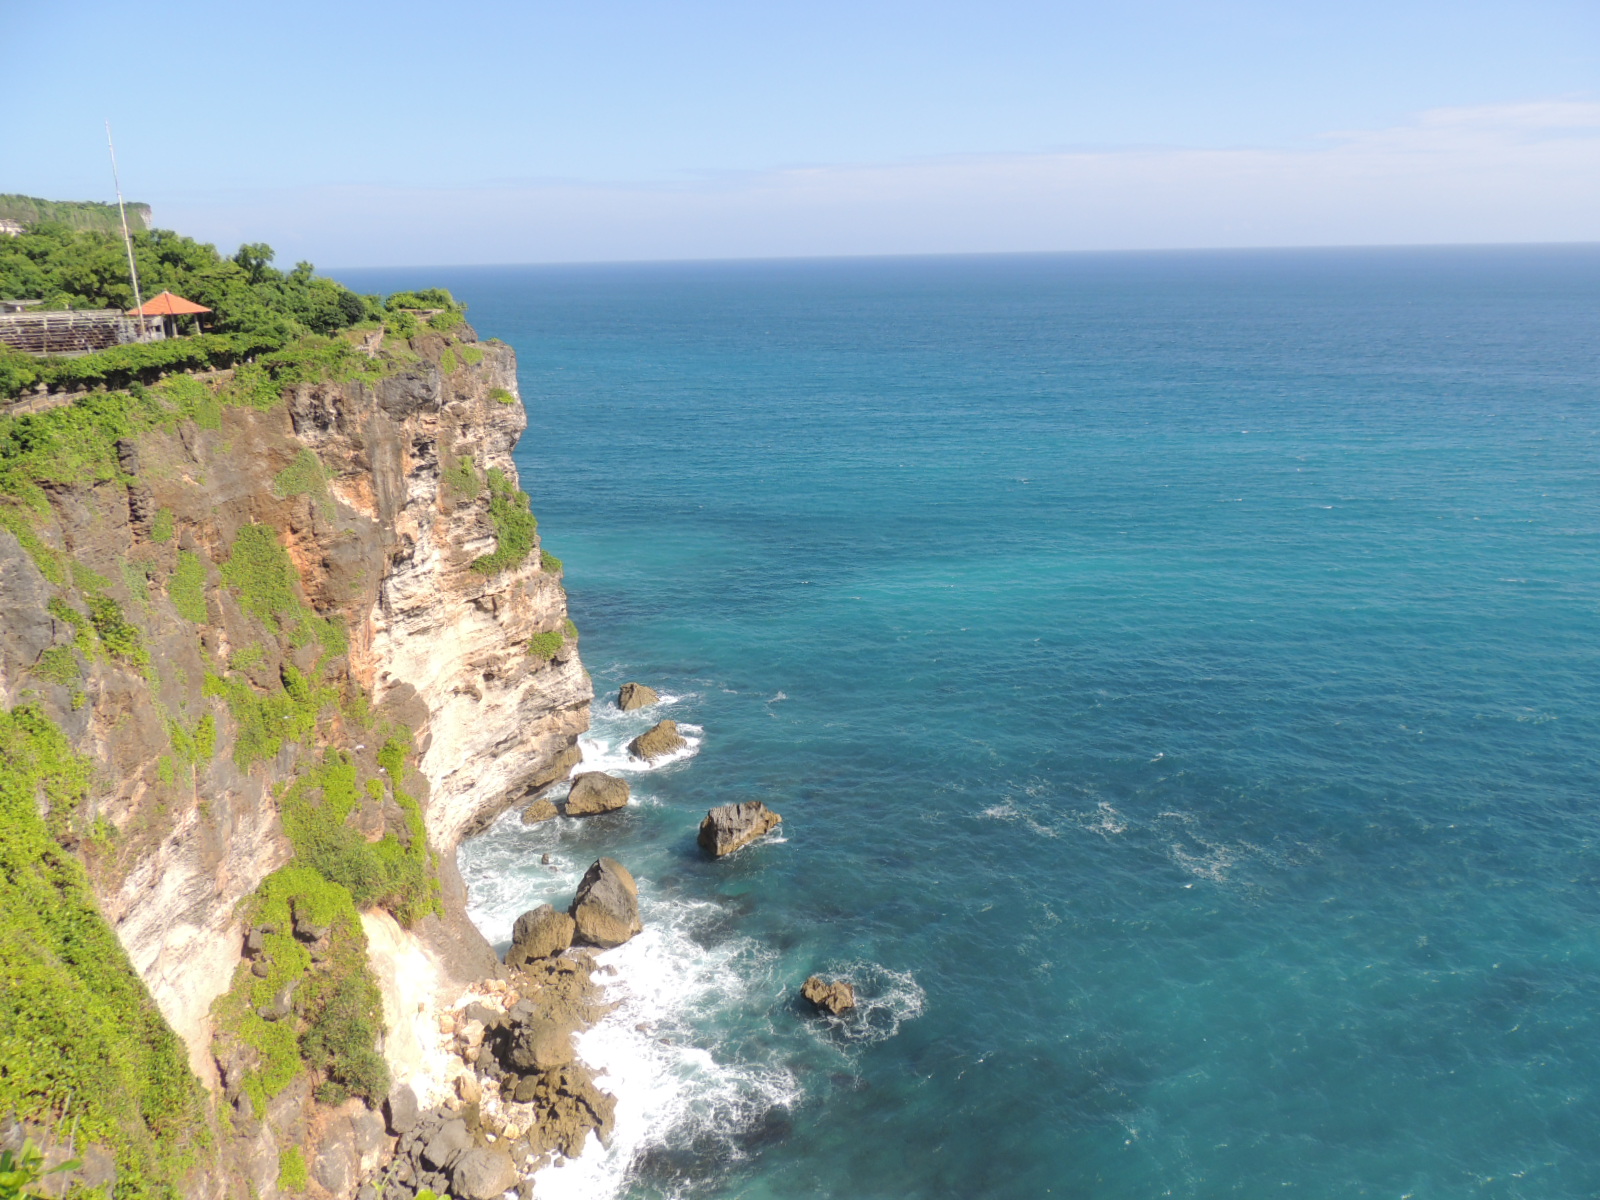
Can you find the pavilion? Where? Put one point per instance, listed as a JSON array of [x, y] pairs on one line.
[[169, 308]]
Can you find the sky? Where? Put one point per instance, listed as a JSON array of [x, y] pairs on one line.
[[365, 134]]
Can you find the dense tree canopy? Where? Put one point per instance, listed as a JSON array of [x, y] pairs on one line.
[[87, 269]]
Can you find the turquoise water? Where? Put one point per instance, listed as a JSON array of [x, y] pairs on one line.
[[1178, 677]]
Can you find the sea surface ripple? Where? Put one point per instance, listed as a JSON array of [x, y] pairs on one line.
[[1177, 673]]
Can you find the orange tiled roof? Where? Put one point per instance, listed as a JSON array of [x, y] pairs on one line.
[[167, 305]]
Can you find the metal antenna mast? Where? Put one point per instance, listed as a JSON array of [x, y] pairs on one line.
[[127, 239]]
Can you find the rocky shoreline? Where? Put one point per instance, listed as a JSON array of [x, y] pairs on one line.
[[519, 1097]]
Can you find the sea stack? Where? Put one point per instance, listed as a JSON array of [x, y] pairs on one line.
[[636, 695], [834, 996], [658, 741], [731, 826]]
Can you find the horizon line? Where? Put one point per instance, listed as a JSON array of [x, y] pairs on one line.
[[949, 254]]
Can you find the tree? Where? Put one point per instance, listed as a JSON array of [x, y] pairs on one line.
[[254, 257]]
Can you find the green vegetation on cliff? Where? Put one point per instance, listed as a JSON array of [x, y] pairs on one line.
[[394, 871], [80, 1037], [256, 309], [337, 1008], [514, 525]]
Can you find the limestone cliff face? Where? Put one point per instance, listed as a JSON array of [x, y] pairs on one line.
[[382, 521]]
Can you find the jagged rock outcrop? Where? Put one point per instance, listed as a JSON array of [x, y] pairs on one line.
[[834, 996], [636, 695], [606, 908], [658, 741], [728, 827], [596, 792], [542, 809]]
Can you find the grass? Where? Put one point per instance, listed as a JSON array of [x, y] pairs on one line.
[[77, 1026], [447, 361], [292, 1173], [471, 355], [462, 477], [549, 563], [187, 587], [161, 527], [59, 665], [501, 396], [514, 525], [259, 570], [304, 476]]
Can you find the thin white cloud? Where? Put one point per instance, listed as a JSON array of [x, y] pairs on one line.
[[1506, 173]]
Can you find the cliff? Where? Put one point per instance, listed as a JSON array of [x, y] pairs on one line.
[[295, 635]]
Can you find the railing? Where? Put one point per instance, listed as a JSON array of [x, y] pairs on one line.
[[71, 333]]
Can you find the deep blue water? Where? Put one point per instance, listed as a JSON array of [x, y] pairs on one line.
[[1178, 675]]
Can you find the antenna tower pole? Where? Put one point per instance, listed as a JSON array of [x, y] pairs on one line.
[[127, 239]]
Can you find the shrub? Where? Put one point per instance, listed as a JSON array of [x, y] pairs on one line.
[[546, 646], [161, 527], [514, 525], [549, 563], [501, 396]]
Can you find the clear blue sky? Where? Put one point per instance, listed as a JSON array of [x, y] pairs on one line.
[[559, 130]]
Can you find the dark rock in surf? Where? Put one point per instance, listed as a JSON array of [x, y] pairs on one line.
[[657, 742], [636, 695], [596, 792], [834, 996], [731, 826], [606, 908]]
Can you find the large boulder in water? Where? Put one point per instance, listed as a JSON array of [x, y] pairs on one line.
[[636, 695], [540, 933], [606, 908], [829, 995], [727, 828], [596, 792], [657, 742]]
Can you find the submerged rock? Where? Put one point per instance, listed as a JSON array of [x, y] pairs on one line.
[[835, 996], [596, 792], [540, 810], [606, 908], [657, 742], [636, 695], [539, 933], [731, 826]]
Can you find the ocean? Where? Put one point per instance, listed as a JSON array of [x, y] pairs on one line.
[[1178, 677]]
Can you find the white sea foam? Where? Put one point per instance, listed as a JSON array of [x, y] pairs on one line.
[[673, 1089], [885, 1000], [605, 746]]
